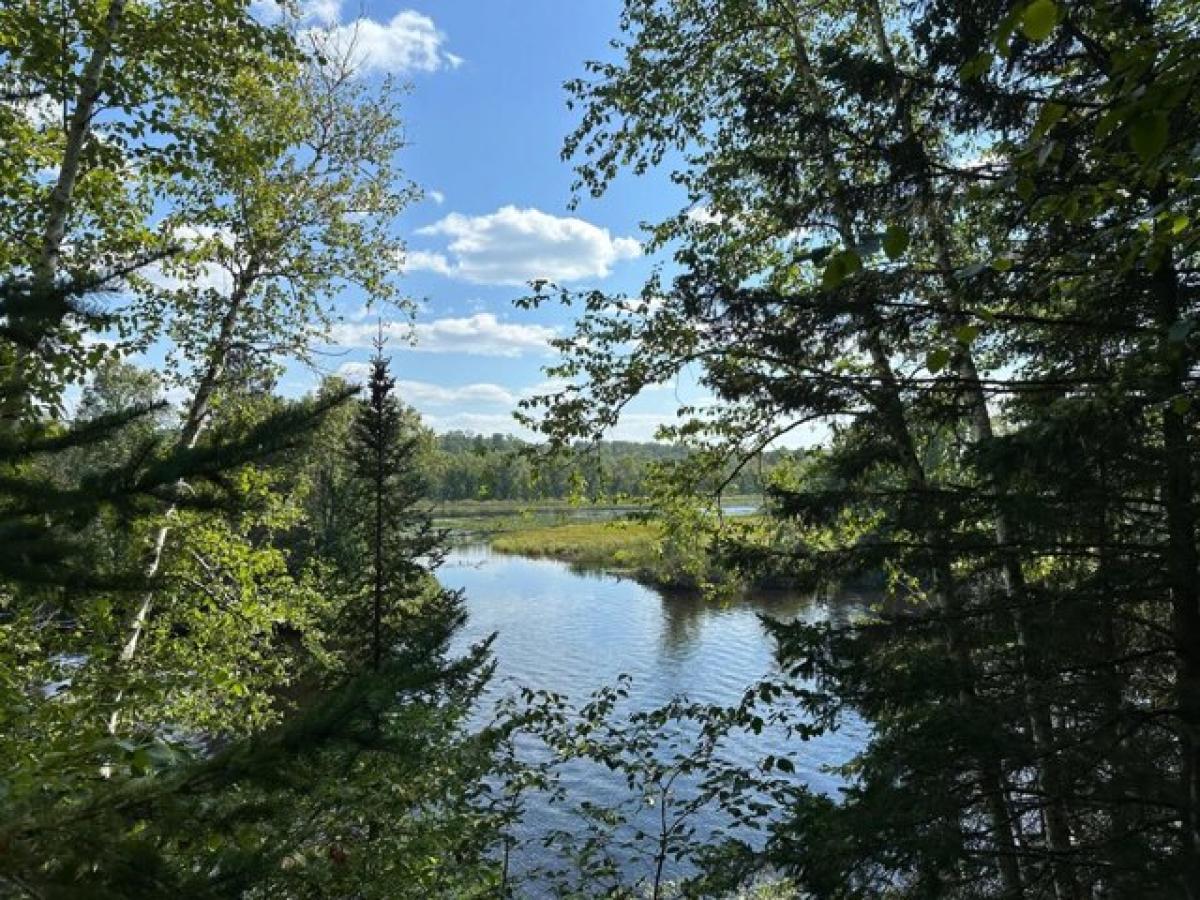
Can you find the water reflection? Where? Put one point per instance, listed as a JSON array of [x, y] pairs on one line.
[[573, 632]]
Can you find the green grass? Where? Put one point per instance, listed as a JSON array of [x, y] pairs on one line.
[[475, 519], [621, 545], [487, 518], [639, 548], [509, 507]]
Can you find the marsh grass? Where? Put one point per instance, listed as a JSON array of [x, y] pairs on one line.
[[623, 545]]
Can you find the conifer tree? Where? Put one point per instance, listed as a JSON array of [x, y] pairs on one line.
[[960, 236], [394, 810], [398, 543]]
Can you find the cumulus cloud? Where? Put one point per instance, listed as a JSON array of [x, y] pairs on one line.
[[425, 393], [479, 423], [704, 215], [478, 335], [408, 42], [487, 408], [325, 12], [205, 276], [512, 246], [425, 261], [355, 372]]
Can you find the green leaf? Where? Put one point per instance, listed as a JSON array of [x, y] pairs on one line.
[[895, 241], [1180, 405], [834, 274], [965, 334], [1039, 19], [785, 765], [975, 67], [1109, 122], [1148, 134], [139, 762], [1048, 118], [936, 360], [841, 265]]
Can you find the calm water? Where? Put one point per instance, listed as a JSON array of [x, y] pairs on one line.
[[572, 632]]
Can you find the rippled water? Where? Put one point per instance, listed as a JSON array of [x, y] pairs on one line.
[[573, 632]]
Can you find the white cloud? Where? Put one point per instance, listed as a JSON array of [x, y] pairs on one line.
[[354, 372], [632, 427], [478, 335], [466, 407], [41, 111], [480, 423], [202, 276], [437, 197], [512, 246], [326, 12], [423, 393], [483, 335], [425, 261], [704, 215], [549, 386], [408, 42]]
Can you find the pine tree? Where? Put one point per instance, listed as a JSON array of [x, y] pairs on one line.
[[392, 811], [398, 542]]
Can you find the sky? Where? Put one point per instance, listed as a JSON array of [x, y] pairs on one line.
[[486, 119]]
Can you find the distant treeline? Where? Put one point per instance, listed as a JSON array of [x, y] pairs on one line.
[[465, 466]]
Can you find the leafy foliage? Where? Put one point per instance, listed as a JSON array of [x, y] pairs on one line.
[[952, 240]]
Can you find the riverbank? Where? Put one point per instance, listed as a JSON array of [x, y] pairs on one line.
[[624, 546], [634, 548], [486, 519]]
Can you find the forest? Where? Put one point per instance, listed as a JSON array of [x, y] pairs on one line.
[[936, 264], [466, 466]]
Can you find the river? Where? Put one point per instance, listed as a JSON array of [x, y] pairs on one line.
[[573, 632]]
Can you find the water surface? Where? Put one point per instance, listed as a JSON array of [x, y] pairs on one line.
[[573, 632]]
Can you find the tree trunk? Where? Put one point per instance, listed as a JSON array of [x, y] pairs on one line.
[[1057, 821], [79, 127], [193, 425], [892, 408], [1181, 562], [45, 266]]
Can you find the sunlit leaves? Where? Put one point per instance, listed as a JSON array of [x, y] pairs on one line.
[[1038, 19], [965, 334]]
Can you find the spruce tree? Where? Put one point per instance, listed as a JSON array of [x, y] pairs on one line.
[[399, 545], [393, 809]]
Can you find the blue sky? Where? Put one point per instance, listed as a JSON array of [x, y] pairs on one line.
[[486, 118]]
